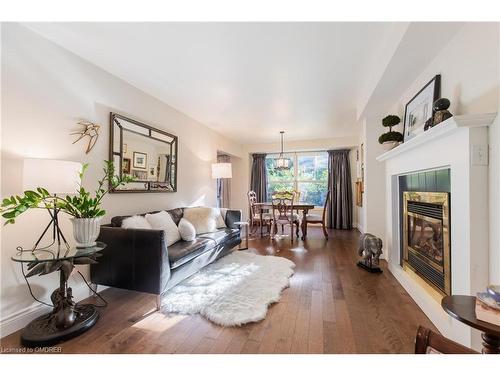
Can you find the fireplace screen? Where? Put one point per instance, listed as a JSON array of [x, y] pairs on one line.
[[426, 245]]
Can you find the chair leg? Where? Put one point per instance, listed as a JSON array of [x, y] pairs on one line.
[[158, 302], [297, 228], [325, 232], [291, 231]]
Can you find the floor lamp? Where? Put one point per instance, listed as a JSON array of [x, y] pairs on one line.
[[220, 171], [59, 177]]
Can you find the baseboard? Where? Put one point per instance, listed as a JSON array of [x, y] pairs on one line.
[[21, 318]]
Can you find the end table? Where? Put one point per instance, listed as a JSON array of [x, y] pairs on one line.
[[67, 319], [243, 224]]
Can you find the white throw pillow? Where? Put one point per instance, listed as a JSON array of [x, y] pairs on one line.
[[187, 230], [136, 222], [204, 219], [220, 217], [163, 221]]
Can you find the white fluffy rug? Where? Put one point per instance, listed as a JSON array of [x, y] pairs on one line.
[[235, 290]]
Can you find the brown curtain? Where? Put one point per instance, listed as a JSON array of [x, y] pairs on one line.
[[339, 183], [223, 185], [258, 179]]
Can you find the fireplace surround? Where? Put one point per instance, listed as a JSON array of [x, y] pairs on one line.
[[426, 237]]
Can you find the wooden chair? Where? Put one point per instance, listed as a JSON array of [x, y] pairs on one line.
[[320, 219], [254, 212], [428, 342], [283, 213]]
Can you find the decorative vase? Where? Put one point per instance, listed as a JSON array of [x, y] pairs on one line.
[[389, 145], [86, 231]]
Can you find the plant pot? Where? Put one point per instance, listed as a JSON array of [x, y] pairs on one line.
[[389, 145], [86, 231]]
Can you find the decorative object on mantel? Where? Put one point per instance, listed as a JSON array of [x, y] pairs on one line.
[[282, 162], [370, 248], [90, 130], [420, 108], [441, 112], [392, 138], [63, 177]]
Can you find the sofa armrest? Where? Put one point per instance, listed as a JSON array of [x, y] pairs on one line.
[[233, 216], [134, 259]]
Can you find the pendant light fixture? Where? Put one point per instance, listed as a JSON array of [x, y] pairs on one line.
[[282, 163]]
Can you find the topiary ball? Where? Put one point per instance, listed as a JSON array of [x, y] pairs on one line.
[[391, 120], [390, 137]]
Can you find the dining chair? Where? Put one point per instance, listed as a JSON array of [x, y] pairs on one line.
[[429, 342], [254, 211], [283, 213], [320, 219]]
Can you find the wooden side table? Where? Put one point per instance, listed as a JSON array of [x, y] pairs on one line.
[[463, 308], [243, 224]]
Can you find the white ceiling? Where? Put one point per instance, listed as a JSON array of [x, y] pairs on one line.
[[244, 80]]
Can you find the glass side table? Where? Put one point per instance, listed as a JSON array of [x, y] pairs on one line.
[[243, 224], [67, 319]]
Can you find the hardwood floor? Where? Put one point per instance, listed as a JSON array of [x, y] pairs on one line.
[[332, 306]]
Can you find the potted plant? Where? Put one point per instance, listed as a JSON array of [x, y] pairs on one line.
[[392, 138], [86, 211]]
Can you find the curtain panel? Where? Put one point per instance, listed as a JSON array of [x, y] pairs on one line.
[[258, 178], [339, 184], [223, 185]]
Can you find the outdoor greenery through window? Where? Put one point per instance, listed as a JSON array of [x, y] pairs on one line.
[[308, 175]]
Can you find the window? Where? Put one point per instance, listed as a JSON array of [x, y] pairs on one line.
[[308, 175]]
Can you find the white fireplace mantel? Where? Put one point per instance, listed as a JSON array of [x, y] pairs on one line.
[[460, 144]]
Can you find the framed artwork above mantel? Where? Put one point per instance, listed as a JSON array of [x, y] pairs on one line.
[[420, 108]]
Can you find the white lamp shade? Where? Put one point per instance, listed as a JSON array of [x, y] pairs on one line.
[[222, 170], [57, 176]]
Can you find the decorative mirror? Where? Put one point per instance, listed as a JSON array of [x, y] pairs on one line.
[[147, 154]]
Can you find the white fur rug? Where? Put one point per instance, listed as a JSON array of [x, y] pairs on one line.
[[235, 290]]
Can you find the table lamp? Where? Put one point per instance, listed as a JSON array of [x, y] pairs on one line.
[[222, 170], [59, 177]]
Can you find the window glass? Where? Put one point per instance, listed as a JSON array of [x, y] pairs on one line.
[[308, 175]]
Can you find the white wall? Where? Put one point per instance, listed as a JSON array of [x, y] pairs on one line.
[[45, 90]]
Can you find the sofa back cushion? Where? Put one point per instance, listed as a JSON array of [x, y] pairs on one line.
[[163, 221], [204, 219], [136, 222], [187, 230], [175, 213]]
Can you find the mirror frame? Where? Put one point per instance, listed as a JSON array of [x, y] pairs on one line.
[[174, 143]]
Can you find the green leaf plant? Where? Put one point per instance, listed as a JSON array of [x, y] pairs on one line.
[[81, 205]]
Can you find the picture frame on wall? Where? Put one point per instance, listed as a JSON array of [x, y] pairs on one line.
[[140, 160], [126, 166], [419, 109]]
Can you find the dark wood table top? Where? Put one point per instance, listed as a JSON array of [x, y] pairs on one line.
[[463, 308], [296, 206]]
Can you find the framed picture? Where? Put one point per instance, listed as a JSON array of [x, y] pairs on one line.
[[140, 160], [419, 109], [126, 166], [152, 172]]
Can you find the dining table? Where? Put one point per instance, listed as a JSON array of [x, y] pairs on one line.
[[304, 207]]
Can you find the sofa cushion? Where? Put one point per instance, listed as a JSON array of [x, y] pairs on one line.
[[136, 222], [185, 251], [163, 221], [204, 219], [187, 231], [176, 214]]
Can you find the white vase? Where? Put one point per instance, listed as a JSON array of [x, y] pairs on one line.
[[86, 231], [389, 145]]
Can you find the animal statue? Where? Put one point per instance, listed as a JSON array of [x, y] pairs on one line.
[[370, 249]]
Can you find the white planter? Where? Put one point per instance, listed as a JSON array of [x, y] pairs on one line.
[[389, 145], [86, 231]]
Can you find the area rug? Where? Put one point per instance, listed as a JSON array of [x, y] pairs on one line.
[[235, 290]]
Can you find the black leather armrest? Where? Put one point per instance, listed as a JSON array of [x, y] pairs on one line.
[[134, 259], [232, 216]]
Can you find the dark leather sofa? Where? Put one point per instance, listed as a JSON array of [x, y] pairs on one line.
[[138, 259]]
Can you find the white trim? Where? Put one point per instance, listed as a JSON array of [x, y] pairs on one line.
[[443, 129]]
